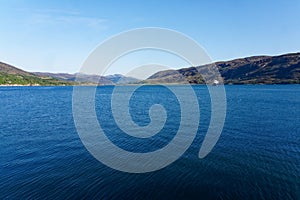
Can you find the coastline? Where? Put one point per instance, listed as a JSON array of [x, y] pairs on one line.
[[19, 85], [171, 84]]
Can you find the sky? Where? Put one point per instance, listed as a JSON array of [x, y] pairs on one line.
[[57, 36]]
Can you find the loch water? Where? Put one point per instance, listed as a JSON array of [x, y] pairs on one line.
[[256, 157]]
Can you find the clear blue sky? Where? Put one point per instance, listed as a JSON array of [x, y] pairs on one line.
[[57, 36]]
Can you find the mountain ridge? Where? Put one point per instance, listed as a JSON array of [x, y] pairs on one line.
[[91, 78], [11, 75], [279, 69]]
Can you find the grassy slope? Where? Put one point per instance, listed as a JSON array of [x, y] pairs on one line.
[[10, 75], [17, 79]]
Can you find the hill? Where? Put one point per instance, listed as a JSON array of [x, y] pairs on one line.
[[283, 69], [10, 75], [121, 79], [81, 78], [115, 79]]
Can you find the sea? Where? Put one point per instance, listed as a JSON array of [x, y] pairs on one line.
[[257, 155]]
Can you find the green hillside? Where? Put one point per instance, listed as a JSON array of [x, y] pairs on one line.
[[10, 75], [15, 79]]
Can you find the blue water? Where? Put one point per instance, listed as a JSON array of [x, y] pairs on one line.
[[257, 155]]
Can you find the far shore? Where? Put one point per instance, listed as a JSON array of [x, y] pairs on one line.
[[171, 84], [13, 85]]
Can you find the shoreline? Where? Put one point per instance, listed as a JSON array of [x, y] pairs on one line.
[[19, 85]]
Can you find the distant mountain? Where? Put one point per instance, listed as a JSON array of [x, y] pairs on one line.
[[95, 79], [60, 76], [283, 69], [83, 78], [120, 79], [10, 75]]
